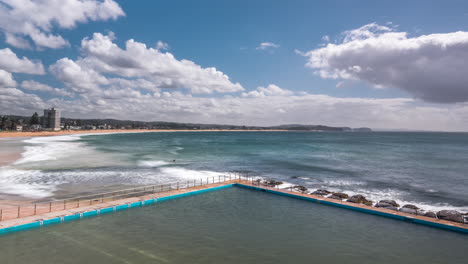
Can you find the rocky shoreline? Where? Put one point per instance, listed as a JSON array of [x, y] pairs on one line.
[[448, 215]]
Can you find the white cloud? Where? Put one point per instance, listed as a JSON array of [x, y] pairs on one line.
[[23, 19], [11, 63], [267, 46], [137, 66], [429, 67], [6, 79], [270, 90], [76, 77], [14, 101], [326, 38], [17, 41], [162, 45], [36, 86]]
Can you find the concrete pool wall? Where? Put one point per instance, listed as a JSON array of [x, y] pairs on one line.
[[116, 208], [244, 184]]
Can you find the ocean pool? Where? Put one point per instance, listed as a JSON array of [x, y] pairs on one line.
[[234, 225]]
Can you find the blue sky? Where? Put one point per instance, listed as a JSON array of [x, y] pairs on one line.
[[227, 35]]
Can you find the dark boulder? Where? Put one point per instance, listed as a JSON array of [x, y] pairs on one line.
[[300, 188], [272, 183], [339, 196], [410, 206], [360, 199], [450, 215], [408, 210], [321, 192], [387, 203], [430, 214]]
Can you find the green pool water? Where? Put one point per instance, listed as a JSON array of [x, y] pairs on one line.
[[235, 225]]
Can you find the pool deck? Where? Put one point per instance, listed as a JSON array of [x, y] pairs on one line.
[[245, 184]]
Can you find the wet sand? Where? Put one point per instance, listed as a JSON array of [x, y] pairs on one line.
[[10, 150], [7, 134], [7, 158]]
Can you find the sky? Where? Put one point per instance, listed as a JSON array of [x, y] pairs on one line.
[[378, 64]]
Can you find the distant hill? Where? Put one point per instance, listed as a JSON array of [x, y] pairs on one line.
[[130, 124]]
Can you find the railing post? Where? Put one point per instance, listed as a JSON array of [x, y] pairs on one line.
[[18, 211], [1, 214], [50, 207], [35, 208]]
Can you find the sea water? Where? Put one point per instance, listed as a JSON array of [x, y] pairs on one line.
[[427, 169]]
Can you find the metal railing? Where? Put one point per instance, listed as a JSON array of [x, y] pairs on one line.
[[87, 200], [24, 210]]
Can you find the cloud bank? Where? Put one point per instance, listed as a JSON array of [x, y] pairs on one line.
[[429, 67]]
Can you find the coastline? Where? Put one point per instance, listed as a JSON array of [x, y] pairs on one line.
[[16, 134]]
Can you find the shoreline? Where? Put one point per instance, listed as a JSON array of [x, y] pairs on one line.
[[16, 134]]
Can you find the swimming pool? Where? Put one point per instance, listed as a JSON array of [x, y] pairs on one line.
[[234, 225]]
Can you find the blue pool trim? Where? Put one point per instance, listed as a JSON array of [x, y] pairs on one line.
[[364, 210], [77, 216]]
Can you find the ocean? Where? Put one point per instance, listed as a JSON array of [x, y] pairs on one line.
[[427, 169]]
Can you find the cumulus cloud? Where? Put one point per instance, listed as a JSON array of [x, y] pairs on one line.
[[138, 67], [27, 20], [270, 90], [267, 46], [76, 77], [11, 63], [429, 67], [36, 86], [6, 79], [15, 101]]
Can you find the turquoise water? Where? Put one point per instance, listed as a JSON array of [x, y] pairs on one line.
[[428, 169], [235, 226]]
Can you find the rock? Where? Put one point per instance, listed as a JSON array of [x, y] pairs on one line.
[[410, 206], [360, 199], [272, 183], [450, 215], [339, 196], [430, 214], [408, 210], [300, 188], [321, 192], [387, 203]]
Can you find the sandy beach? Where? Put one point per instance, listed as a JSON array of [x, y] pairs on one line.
[[14, 134]]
